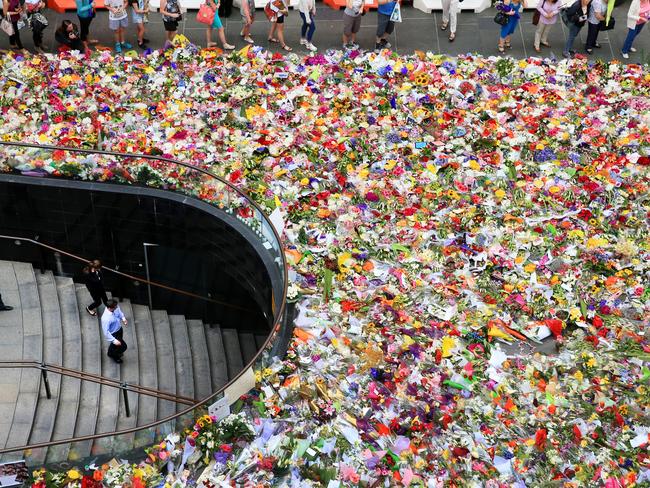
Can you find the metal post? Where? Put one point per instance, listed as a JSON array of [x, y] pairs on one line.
[[46, 381], [125, 394], [146, 270]]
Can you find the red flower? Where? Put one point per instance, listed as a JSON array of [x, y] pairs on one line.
[[540, 439]]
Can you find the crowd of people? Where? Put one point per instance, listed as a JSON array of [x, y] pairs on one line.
[[69, 35]]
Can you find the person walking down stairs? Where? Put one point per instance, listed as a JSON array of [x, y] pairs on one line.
[[113, 321], [95, 285]]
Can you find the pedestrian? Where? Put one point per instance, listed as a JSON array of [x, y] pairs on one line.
[[385, 26], [67, 35], [596, 14], [94, 279], [637, 16], [3, 307], [140, 10], [216, 24], [510, 8], [171, 12], [279, 11], [113, 321], [352, 23], [118, 21], [450, 10], [12, 10], [247, 11], [37, 21], [307, 9], [548, 13], [85, 14], [576, 16]]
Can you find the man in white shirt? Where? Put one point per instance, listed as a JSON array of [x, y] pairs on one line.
[[112, 322]]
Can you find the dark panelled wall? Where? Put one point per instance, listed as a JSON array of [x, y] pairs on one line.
[[193, 250]]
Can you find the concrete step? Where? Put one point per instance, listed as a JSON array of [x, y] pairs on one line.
[[45, 416], [130, 369], [166, 361], [200, 359], [248, 346], [32, 349], [218, 367], [182, 358], [11, 347], [66, 414], [234, 357], [93, 348], [148, 405], [109, 396]]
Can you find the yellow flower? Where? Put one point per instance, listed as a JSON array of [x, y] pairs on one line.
[[578, 375], [73, 474], [499, 193], [530, 267]]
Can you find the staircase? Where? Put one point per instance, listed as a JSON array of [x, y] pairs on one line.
[[49, 323]]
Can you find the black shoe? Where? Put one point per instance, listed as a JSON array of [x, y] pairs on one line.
[[597, 46], [117, 360], [145, 40], [6, 308]]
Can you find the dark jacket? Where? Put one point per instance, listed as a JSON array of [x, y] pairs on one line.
[[574, 12], [94, 281], [64, 39]]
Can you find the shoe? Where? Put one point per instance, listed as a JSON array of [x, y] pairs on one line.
[[378, 46], [567, 55], [501, 48], [145, 40], [126, 45], [311, 47], [117, 360], [546, 44], [249, 40], [589, 51], [91, 312], [384, 43], [444, 26], [228, 47], [142, 45], [354, 45], [118, 47], [625, 55], [303, 41], [597, 46], [537, 49], [632, 49], [452, 36], [241, 33], [6, 308]]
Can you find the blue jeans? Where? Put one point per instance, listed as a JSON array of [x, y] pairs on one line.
[[631, 35], [307, 30], [574, 30]]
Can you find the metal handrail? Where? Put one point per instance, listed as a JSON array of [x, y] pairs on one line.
[[277, 322], [125, 275]]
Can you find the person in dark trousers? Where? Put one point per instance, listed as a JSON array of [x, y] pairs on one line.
[[113, 320], [95, 283], [4, 307]]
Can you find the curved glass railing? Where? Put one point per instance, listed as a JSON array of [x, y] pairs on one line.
[[174, 176]]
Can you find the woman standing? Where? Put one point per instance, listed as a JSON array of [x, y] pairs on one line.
[[37, 19], [279, 10], [216, 24], [511, 8], [596, 14], [247, 11], [171, 14], [307, 9], [637, 16], [577, 16], [95, 284], [548, 12], [140, 9], [12, 10]]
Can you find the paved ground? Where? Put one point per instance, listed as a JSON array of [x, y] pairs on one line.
[[475, 33]]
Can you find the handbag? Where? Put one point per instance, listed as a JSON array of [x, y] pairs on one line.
[[270, 14], [40, 18], [501, 18], [602, 26], [6, 26], [205, 15], [536, 16]]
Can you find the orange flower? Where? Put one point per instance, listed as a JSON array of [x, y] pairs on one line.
[[98, 475]]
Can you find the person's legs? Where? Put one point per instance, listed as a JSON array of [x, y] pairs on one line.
[[272, 32], [545, 31], [16, 37], [382, 24], [538, 35], [573, 33], [445, 13], [280, 34], [37, 35], [592, 34], [312, 29], [208, 37], [453, 15], [303, 28], [629, 39]]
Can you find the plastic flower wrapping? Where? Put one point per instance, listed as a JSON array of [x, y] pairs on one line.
[[467, 240]]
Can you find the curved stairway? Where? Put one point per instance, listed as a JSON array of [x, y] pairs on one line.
[[49, 323]]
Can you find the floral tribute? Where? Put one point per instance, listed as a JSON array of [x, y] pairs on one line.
[[468, 249]]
